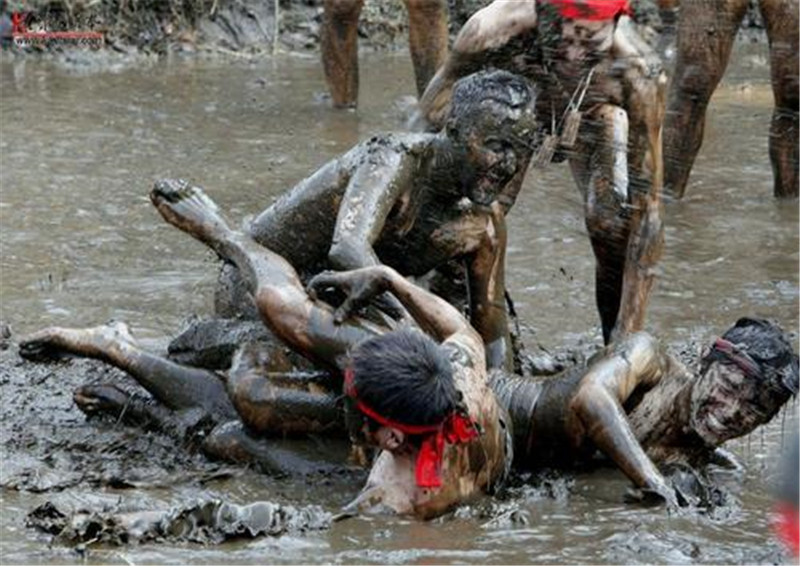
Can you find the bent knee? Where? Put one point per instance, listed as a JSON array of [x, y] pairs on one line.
[[641, 343], [697, 81], [256, 402]]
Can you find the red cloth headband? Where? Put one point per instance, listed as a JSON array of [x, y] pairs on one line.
[[594, 10], [454, 429], [725, 349]]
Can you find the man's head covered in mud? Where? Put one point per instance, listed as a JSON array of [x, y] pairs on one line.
[[747, 375], [492, 121], [578, 32], [401, 396]]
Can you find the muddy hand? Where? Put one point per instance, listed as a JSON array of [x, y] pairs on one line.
[[360, 286], [656, 495]]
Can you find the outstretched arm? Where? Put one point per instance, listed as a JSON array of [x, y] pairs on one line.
[[488, 29], [596, 410]]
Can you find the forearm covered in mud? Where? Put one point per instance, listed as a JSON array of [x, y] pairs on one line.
[[487, 286], [371, 195], [435, 315]]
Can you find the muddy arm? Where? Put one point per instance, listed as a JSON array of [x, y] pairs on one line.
[[434, 315], [596, 411], [372, 193], [487, 291], [487, 29]]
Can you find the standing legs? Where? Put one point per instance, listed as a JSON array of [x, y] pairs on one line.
[[781, 20], [706, 31], [623, 213], [427, 38], [339, 44]]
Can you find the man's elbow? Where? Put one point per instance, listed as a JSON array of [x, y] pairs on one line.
[[346, 254]]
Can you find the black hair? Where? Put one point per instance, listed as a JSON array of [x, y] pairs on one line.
[[405, 376], [769, 347], [475, 93]]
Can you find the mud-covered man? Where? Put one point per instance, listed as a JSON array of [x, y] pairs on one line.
[[633, 401], [411, 201], [642, 407], [601, 106], [422, 396]]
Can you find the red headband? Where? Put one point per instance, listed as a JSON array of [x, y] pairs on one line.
[[724, 349], [594, 10], [454, 429]]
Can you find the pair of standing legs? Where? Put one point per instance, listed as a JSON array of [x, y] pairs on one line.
[[706, 31], [427, 38]]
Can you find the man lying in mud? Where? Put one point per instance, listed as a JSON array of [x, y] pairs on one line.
[[634, 402], [642, 407], [422, 396], [411, 201], [601, 106]]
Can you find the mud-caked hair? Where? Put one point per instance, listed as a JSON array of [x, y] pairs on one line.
[[500, 92], [767, 345], [405, 376]]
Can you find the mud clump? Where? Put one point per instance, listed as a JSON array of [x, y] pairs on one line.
[[206, 522]]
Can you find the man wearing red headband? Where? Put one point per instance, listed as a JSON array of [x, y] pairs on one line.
[[601, 106]]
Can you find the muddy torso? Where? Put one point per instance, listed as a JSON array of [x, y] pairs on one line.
[[538, 410], [627, 77], [419, 232]]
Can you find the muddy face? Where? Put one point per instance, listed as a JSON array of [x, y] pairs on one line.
[[727, 403], [495, 147], [585, 40]]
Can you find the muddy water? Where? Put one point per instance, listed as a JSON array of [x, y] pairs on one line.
[[81, 244]]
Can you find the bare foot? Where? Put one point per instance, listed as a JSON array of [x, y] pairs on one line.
[[189, 209], [98, 342]]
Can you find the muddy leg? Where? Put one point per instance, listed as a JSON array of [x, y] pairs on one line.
[[599, 166], [706, 31], [668, 12], [427, 38], [339, 44], [280, 405], [176, 386], [232, 442], [781, 17], [308, 327], [107, 399]]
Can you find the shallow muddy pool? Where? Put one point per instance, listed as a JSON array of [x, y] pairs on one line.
[[81, 244]]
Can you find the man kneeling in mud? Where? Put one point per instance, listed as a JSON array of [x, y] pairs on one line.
[[410, 201], [423, 398]]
